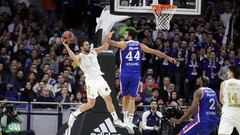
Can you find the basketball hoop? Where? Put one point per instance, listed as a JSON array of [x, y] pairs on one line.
[[163, 15]]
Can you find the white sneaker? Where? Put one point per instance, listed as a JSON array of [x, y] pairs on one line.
[[71, 120], [119, 123], [130, 129]]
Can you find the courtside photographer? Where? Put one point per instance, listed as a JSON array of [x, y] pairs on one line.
[[11, 121]]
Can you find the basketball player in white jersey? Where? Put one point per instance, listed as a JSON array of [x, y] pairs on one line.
[[230, 98], [96, 85]]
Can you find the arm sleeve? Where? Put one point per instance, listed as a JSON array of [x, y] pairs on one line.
[[144, 121]]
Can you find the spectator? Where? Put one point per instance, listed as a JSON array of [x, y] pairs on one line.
[[63, 98], [167, 93], [27, 93], [20, 79], [41, 86], [166, 83], [78, 98], [4, 55], [51, 80], [182, 57], [54, 39], [147, 92], [211, 69], [32, 78], [192, 70], [226, 16], [222, 74], [151, 120], [48, 61], [55, 61], [11, 79], [154, 97], [45, 96], [174, 96], [68, 77], [161, 105], [46, 78], [59, 84], [11, 93]]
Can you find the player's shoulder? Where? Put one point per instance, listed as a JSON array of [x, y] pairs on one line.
[[132, 42], [200, 92]]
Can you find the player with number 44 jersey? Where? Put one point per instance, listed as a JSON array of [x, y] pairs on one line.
[[131, 56], [206, 110]]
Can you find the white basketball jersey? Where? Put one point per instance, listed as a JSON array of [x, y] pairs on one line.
[[231, 93], [89, 65]]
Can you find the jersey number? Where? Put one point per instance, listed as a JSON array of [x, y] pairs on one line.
[[212, 104], [232, 98], [130, 56]]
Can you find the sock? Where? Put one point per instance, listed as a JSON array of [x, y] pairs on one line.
[[114, 115], [125, 116], [130, 117], [77, 112]]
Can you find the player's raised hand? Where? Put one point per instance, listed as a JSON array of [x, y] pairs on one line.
[[174, 121], [109, 36], [172, 60], [64, 42]]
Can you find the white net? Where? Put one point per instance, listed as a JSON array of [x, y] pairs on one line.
[[163, 15]]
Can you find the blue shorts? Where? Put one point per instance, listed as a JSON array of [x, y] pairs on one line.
[[199, 128], [129, 83]]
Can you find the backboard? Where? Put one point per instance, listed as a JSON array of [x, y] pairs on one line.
[[140, 7]]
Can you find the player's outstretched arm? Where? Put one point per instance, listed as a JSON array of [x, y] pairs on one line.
[[158, 53], [191, 110], [102, 48], [111, 42], [75, 58], [105, 44]]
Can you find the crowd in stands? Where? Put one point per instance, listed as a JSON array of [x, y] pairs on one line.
[[34, 66]]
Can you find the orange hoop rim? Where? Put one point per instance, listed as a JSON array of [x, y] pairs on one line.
[[158, 8]]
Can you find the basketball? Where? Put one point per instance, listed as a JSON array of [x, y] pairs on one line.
[[68, 36]]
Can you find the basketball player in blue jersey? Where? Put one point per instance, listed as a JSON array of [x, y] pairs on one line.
[[205, 108], [131, 56]]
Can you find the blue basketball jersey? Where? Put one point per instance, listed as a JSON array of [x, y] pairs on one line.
[[207, 110], [131, 57]]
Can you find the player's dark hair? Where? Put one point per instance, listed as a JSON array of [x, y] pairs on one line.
[[132, 33], [81, 41], [235, 71]]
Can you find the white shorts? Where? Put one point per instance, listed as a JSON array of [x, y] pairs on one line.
[[230, 119], [97, 86]]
